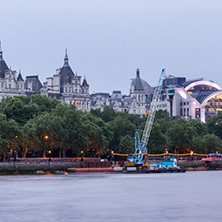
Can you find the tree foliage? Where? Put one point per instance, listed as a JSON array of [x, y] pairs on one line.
[[26, 121]]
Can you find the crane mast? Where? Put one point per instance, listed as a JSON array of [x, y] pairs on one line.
[[140, 147], [153, 109]]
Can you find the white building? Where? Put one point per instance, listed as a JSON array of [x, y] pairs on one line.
[[67, 86], [194, 99], [11, 82]]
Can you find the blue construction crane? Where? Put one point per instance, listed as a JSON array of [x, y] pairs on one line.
[[141, 147]]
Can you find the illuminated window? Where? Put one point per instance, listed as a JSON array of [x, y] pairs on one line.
[[197, 112]]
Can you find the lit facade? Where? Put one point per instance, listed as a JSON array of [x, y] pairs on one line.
[[196, 99], [66, 86]]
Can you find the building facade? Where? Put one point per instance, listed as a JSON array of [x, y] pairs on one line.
[[68, 87], [12, 82], [134, 103], [194, 99], [187, 99]]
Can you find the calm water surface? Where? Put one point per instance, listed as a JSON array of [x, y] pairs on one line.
[[191, 196]]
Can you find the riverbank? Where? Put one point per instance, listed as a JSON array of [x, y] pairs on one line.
[[58, 167]]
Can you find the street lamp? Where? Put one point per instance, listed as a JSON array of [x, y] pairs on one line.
[[46, 137]]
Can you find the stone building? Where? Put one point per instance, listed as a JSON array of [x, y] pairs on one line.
[[12, 82], [68, 87], [134, 103]]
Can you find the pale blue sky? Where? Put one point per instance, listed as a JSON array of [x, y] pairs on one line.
[[108, 40]]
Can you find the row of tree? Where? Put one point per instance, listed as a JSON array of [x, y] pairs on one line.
[[39, 126]]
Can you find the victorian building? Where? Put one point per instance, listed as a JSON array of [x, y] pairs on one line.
[[134, 103], [68, 87], [12, 82]]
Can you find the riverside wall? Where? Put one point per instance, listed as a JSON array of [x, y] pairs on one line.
[[60, 166]]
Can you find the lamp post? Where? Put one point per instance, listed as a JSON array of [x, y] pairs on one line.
[[46, 137], [81, 158]]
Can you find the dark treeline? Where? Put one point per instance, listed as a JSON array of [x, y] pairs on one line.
[[38, 126]]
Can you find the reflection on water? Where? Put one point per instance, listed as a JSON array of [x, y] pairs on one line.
[[194, 196]]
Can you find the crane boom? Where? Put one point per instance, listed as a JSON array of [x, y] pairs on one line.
[[151, 116], [140, 147]]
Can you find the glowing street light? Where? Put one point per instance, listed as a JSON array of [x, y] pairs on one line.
[[46, 137]]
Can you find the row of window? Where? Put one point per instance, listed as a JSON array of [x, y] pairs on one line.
[[184, 103], [213, 104], [162, 106], [184, 112], [69, 90]]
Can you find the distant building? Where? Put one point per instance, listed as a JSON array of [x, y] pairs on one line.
[[134, 103], [12, 82], [190, 99], [187, 99], [67, 86]]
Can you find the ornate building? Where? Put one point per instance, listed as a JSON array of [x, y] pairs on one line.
[[12, 83], [67, 86], [134, 103]]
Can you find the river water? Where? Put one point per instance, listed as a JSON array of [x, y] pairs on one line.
[[191, 196]]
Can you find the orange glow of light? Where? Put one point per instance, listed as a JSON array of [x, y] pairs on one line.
[[46, 137], [50, 151]]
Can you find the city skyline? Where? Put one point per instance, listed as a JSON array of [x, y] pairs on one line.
[[108, 41]]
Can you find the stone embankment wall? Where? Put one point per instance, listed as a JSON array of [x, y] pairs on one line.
[[200, 165], [60, 166], [32, 167]]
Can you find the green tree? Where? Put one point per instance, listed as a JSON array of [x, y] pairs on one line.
[[200, 128], [121, 126], [179, 137], [9, 129], [126, 144], [214, 125], [212, 143], [108, 114], [199, 145], [157, 141]]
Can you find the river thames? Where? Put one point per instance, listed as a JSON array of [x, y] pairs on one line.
[[191, 196]]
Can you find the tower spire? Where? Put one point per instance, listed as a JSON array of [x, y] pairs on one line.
[[66, 59], [138, 73], [1, 57]]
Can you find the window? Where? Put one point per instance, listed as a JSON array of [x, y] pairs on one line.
[[188, 112], [9, 86]]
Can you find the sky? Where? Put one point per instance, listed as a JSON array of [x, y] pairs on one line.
[[107, 40]]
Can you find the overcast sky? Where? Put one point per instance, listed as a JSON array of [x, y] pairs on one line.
[[108, 40]]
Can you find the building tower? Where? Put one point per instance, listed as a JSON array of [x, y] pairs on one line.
[[138, 96]]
